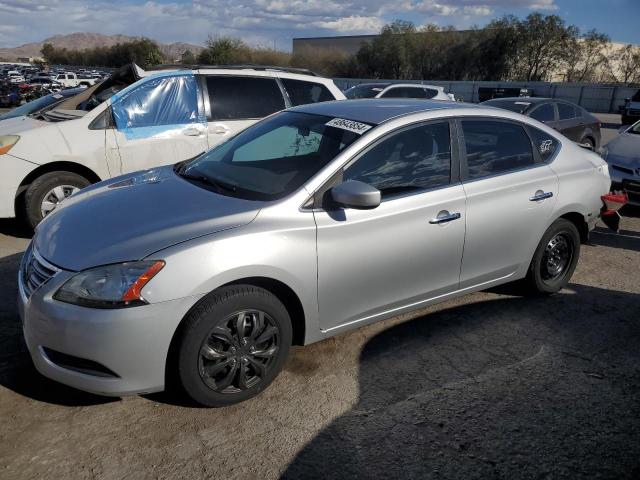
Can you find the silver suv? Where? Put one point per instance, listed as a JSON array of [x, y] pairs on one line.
[[312, 222]]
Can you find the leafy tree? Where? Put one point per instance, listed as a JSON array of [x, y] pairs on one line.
[[585, 56], [628, 61], [224, 50]]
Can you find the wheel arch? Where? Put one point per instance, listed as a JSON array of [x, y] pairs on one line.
[[281, 290], [57, 166], [579, 221]]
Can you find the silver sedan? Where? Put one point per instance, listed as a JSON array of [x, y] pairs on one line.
[[314, 221]]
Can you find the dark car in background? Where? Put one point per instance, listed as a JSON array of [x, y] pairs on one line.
[[630, 111], [573, 121]]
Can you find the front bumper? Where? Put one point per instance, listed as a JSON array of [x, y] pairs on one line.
[[133, 343]]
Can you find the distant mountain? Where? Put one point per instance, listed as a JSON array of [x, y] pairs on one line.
[[80, 41]]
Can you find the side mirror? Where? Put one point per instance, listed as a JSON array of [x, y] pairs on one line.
[[355, 194]]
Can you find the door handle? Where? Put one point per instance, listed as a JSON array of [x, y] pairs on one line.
[[192, 132], [540, 195], [219, 129], [444, 217]]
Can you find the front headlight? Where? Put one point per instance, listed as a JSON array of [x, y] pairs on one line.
[[7, 142], [111, 286]]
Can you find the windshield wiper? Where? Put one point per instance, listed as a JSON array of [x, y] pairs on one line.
[[217, 184]]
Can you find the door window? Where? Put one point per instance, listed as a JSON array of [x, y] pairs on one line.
[[544, 113], [157, 102], [417, 158], [238, 98], [495, 147], [301, 93], [544, 143], [406, 92], [566, 111]]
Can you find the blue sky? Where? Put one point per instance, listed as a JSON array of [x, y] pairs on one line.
[[269, 22]]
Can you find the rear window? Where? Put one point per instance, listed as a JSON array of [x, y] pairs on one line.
[[364, 91], [410, 92], [237, 98], [301, 93]]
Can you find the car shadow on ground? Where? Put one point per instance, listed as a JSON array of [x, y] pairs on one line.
[[512, 387]]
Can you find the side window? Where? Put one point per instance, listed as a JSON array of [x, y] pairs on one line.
[[544, 113], [414, 159], [566, 111], [158, 101], [430, 93], [237, 98], [495, 147], [544, 143], [282, 142], [301, 92]]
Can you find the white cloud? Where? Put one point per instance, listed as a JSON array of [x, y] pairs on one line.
[[255, 21]]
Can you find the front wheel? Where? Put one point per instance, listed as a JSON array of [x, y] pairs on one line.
[[233, 344], [47, 191], [555, 258]]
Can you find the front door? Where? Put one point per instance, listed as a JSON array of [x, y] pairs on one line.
[[159, 122], [373, 263]]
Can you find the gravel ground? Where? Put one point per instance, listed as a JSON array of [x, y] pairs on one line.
[[492, 385]]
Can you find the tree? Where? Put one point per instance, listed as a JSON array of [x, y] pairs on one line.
[[224, 50], [585, 56], [48, 52], [542, 44], [188, 58], [628, 65]]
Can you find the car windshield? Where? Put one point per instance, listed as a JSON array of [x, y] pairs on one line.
[[273, 158], [517, 106], [33, 106], [363, 91]]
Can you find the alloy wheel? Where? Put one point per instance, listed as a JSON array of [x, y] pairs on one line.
[[239, 351]]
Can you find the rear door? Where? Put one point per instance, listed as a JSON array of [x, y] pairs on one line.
[[510, 192], [545, 113], [233, 103], [569, 122]]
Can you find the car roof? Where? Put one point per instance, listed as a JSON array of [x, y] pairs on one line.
[[378, 110]]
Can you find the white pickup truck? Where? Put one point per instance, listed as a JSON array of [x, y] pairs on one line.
[[71, 80]]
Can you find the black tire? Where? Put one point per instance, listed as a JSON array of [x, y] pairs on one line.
[[544, 279], [41, 186], [232, 359]]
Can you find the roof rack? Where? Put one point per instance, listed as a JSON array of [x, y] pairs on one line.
[[177, 66]]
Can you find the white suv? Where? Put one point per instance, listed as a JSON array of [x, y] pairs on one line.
[[398, 90], [161, 117]]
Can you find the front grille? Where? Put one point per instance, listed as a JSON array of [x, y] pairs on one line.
[[35, 271]]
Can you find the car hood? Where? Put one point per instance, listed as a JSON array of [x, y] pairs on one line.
[[133, 216], [624, 150], [13, 125]]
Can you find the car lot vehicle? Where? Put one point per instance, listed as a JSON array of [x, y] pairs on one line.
[[71, 80], [631, 109], [623, 156], [315, 221], [572, 121], [38, 105], [397, 90], [165, 117], [46, 82], [15, 77]]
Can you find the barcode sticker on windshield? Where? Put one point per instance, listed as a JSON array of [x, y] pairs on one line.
[[355, 127]]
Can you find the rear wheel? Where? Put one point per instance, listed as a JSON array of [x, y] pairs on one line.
[[555, 258], [47, 191], [233, 345]]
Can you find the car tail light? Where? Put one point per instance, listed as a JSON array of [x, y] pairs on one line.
[[611, 203]]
